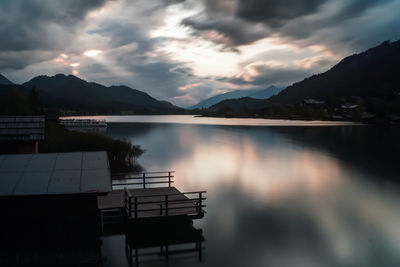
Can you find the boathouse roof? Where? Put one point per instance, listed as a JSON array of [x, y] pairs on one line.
[[26, 128], [54, 174]]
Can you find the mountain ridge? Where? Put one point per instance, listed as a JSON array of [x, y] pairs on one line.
[[361, 87], [236, 94], [356, 74], [4, 80], [73, 93]]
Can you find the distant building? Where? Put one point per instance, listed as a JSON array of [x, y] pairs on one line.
[[21, 134], [348, 106], [311, 101], [49, 208], [367, 116], [337, 117], [395, 118], [84, 125]]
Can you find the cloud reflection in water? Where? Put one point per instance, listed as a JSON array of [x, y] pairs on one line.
[[274, 200]]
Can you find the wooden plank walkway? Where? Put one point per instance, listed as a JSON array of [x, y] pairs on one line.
[[152, 202], [113, 200]]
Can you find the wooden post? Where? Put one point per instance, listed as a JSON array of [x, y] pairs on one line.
[[136, 207], [169, 179], [200, 250], [166, 205], [129, 206], [144, 180], [126, 200], [128, 252], [167, 254], [137, 256], [200, 203]]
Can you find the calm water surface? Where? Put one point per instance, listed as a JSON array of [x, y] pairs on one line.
[[277, 196]]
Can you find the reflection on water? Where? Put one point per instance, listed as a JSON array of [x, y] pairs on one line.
[[190, 119], [281, 196], [163, 243]]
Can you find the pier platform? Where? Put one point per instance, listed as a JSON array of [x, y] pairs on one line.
[[145, 202]]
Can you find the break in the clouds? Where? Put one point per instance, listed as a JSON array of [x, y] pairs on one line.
[[186, 50]]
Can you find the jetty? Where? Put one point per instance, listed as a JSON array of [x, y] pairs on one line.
[[140, 197], [154, 216]]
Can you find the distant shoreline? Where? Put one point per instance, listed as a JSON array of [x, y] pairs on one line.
[[363, 122], [203, 120]]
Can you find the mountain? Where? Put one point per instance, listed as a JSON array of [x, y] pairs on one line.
[[374, 73], [239, 105], [253, 93], [266, 93], [72, 93], [4, 80], [361, 87]]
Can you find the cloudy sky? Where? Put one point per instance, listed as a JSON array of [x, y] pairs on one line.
[[185, 51]]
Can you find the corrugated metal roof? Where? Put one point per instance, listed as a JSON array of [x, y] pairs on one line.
[[22, 128], [54, 173]]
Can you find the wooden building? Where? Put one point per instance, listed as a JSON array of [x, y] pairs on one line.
[[49, 208], [85, 125], [21, 134]]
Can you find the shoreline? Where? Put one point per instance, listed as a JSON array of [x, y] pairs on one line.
[[203, 120]]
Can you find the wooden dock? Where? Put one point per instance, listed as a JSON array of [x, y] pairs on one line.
[[156, 202]]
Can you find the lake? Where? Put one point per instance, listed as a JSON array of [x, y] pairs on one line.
[[279, 193]]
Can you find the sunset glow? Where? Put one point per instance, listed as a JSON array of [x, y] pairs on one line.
[[92, 53]]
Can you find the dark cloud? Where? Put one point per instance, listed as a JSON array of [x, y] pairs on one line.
[[355, 8], [124, 33], [172, 2], [276, 12], [268, 75], [21, 59], [94, 68], [28, 25], [240, 23], [183, 70], [233, 32], [335, 23], [35, 26], [220, 6], [345, 18], [159, 77]]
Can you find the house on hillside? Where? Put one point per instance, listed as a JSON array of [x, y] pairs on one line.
[[21, 134], [311, 101], [348, 106]]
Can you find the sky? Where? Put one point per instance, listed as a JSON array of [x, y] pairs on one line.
[[184, 51]]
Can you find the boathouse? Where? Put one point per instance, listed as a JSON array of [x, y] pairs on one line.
[[49, 207], [84, 125], [21, 134]]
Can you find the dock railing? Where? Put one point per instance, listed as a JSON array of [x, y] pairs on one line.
[[165, 205], [144, 179]]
